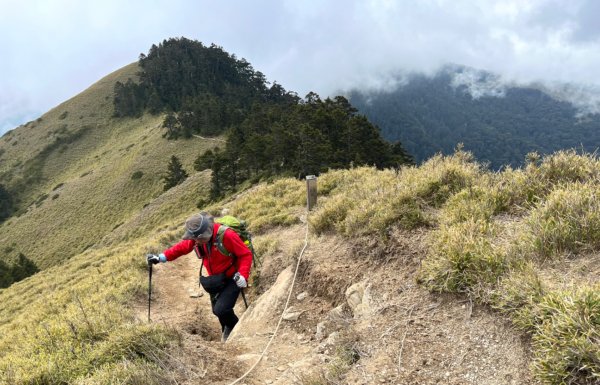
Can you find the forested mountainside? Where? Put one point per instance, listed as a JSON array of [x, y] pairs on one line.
[[270, 131], [433, 114]]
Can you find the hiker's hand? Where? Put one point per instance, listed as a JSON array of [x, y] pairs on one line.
[[240, 281], [154, 259]]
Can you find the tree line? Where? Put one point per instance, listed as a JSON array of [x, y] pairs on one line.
[[16, 272], [270, 131], [6, 203]]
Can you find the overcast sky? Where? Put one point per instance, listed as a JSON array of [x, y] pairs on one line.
[[50, 50]]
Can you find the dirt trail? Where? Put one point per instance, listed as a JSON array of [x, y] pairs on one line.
[[384, 330]]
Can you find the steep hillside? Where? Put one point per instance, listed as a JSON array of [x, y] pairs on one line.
[[439, 273], [80, 173], [500, 123]]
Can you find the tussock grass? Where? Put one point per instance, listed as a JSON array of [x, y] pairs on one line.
[[568, 221], [367, 201], [528, 186], [551, 209], [464, 259], [268, 205], [566, 166], [517, 295], [478, 202], [567, 337]]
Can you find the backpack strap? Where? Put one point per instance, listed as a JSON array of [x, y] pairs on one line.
[[201, 252], [219, 240]]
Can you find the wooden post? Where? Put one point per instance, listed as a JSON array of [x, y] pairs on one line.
[[311, 191]]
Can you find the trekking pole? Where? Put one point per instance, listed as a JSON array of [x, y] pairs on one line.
[[244, 298], [149, 288]]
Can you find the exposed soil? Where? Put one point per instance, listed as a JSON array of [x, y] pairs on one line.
[[401, 335]]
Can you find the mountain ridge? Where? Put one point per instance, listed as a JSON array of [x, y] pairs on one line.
[[499, 122]]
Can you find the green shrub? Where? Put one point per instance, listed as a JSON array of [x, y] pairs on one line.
[[137, 175]]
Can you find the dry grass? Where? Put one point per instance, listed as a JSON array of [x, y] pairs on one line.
[[73, 323], [568, 221], [280, 203], [365, 201]]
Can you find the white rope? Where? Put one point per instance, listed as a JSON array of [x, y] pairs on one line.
[[282, 313]]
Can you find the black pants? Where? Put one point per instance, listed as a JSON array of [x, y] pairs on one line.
[[223, 303]]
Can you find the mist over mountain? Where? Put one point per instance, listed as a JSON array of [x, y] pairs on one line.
[[499, 121]]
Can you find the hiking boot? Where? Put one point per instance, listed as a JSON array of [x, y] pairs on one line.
[[226, 332]]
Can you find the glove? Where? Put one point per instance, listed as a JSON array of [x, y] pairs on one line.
[[154, 259], [240, 281]]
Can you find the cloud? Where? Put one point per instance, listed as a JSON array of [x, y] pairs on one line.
[[53, 49]]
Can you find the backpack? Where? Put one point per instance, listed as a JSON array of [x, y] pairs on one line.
[[240, 227]]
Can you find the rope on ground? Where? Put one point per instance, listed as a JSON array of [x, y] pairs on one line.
[[205, 138], [282, 313]]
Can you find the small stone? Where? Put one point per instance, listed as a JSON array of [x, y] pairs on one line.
[[302, 296], [321, 327], [292, 314], [281, 368]]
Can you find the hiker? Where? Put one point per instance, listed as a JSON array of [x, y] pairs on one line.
[[227, 275]]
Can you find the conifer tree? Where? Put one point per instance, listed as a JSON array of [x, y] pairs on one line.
[[5, 275], [6, 203], [23, 268], [175, 173]]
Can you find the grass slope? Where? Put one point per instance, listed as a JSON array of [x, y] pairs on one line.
[[78, 188], [506, 240]]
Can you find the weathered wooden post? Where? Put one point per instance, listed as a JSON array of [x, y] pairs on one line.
[[311, 191]]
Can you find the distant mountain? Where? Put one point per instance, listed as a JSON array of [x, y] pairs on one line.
[[500, 123]]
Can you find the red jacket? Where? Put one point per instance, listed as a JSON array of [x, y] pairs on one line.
[[215, 262]]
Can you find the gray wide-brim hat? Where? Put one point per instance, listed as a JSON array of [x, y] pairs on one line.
[[199, 226]]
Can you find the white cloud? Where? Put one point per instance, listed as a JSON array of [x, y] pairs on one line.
[[53, 49]]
